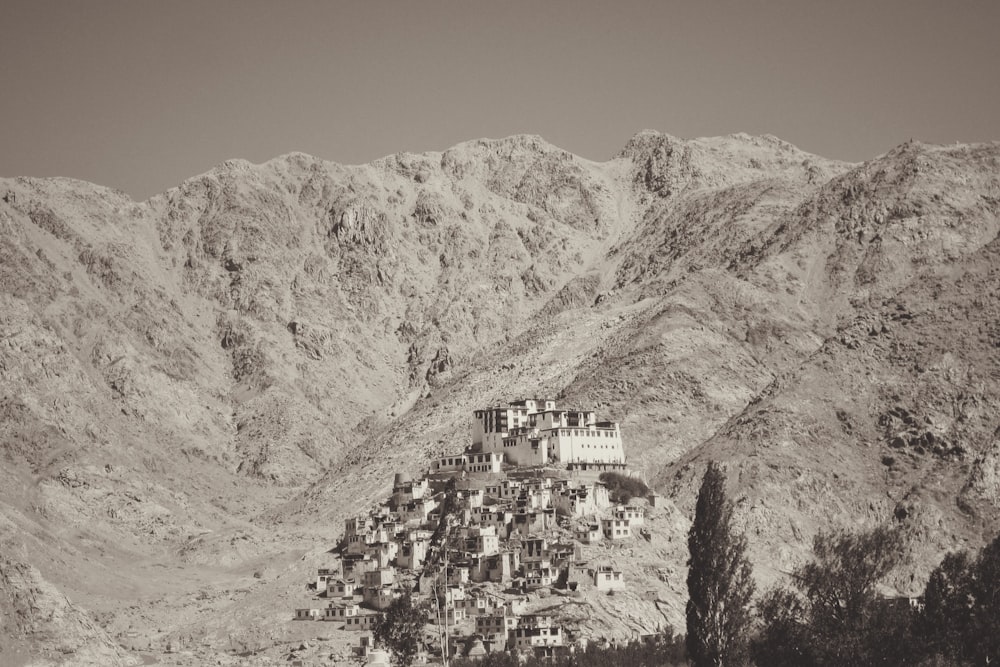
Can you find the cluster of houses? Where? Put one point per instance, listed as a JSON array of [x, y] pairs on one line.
[[481, 530]]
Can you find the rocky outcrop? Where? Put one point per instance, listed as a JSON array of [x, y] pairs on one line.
[[39, 626]]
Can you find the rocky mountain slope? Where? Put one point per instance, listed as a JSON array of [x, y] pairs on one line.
[[203, 384]]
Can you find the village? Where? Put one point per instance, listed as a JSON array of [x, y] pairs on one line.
[[483, 535]]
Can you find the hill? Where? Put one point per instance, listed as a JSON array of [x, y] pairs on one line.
[[198, 387]]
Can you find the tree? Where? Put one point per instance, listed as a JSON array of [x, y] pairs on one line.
[[720, 584], [834, 615], [784, 640], [400, 629], [622, 488], [947, 617]]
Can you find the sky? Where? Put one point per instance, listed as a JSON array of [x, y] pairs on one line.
[[141, 94]]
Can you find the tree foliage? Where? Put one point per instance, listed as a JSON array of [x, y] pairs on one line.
[[720, 584], [662, 650], [947, 612], [622, 488], [834, 615], [400, 629], [960, 620]]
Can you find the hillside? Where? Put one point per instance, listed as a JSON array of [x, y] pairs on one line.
[[198, 387]]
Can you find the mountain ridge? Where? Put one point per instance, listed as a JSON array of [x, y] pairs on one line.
[[217, 374]]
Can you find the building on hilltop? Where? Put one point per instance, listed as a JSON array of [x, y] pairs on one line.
[[533, 432], [480, 462]]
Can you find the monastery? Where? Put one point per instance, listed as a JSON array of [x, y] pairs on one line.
[[533, 432], [483, 530]]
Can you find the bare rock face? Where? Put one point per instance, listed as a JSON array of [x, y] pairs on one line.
[[256, 351], [38, 625], [984, 482]]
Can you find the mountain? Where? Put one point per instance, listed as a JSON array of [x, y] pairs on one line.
[[198, 388]]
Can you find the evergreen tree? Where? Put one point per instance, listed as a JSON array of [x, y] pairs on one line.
[[720, 585]]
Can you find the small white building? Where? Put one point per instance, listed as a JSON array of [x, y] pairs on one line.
[[616, 529], [324, 575], [606, 578], [636, 516], [360, 622], [533, 631], [338, 588], [483, 541], [540, 576], [589, 533], [340, 612]]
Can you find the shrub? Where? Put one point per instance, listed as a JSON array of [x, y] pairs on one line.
[[622, 488]]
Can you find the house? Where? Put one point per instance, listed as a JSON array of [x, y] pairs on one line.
[[380, 577], [606, 578], [379, 597], [482, 541], [405, 490], [473, 498], [476, 606], [361, 622], [561, 554], [358, 525], [634, 515], [581, 501], [534, 549], [340, 612], [383, 553], [353, 566], [588, 533], [538, 498], [457, 575], [499, 567], [473, 462], [338, 588], [453, 615], [540, 576], [534, 631], [366, 644], [496, 623], [357, 543], [325, 574], [417, 511], [532, 521], [509, 489], [616, 529], [412, 554], [419, 534], [500, 520], [578, 574], [308, 614]]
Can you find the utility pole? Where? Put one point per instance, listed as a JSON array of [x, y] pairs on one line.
[[437, 603], [447, 534]]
